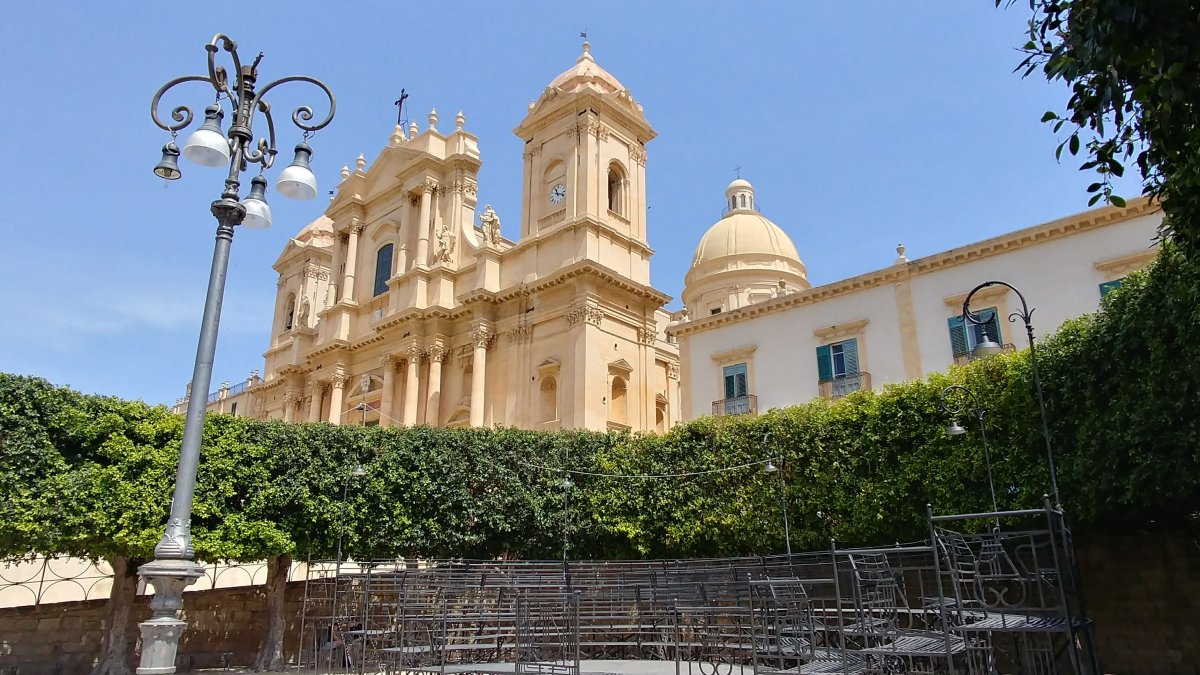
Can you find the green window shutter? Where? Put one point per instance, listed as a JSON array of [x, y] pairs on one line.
[[992, 327], [383, 269], [850, 351], [824, 363], [735, 380], [1109, 286], [958, 336]]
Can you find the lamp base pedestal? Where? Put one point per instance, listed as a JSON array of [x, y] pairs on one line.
[[160, 633]]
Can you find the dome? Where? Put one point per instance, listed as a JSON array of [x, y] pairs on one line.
[[586, 72], [742, 259], [744, 234], [743, 231]]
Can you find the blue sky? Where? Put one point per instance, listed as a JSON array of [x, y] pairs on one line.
[[861, 125]]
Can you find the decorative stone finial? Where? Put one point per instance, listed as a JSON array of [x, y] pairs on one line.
[[345, 171], [433, 119], [900, 259], [460, 120], [398, 135], [360, 164]]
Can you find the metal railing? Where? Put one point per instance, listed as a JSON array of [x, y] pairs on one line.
[[844, 384], [738, 405]]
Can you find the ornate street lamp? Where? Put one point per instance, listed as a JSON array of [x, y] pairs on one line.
[[772, 468], [988, 347], [969, 404], [172, 568]]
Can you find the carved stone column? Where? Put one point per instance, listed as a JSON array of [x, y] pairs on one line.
[[423, 225], [160, 633], [481, 335], [412, 384], [351, 262], [314, 405], [336, 390], [386, 414], [437, 354]]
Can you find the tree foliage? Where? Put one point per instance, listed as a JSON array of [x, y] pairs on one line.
[[1133, 67], [89, 475]]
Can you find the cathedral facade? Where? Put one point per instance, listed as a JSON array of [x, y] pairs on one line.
[[403, 304]]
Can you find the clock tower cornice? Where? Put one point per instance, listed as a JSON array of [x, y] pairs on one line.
[[609, 107]]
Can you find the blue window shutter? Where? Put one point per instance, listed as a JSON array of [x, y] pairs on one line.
[[1109, 286], [824, 363], [850, 350], [735, 380], [383, 269], [958, 336], [992, 327]]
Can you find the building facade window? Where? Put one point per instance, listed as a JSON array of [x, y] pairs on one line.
[[1110, 286], [616, 189], [963, 337], [233, 409], [383, 269], [736, 389], [289, 312], [548, 395], [618, 401], [838, 369]]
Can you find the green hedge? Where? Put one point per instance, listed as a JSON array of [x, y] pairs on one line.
[[92, 475]]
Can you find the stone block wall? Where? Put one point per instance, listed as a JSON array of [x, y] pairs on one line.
[[225, 627], [1143, 592]]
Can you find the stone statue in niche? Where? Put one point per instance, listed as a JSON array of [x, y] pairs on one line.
[[305, 309], [445, 244], [491, 225]]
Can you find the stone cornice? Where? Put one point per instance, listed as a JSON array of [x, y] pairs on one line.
[[1122, 265], [735, 354], [841, 330], [1055, 229], [989, 293]]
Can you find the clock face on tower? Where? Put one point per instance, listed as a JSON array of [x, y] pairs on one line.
[[557, 193]]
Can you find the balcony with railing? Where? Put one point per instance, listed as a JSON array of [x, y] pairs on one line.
[[739, 405], [964, 359], [841, 385]]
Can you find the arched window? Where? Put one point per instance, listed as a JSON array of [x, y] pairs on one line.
[[289, 312], [383, 269], [618, 401], [743, 201], [732, 203], [616, 188], [548, 397]]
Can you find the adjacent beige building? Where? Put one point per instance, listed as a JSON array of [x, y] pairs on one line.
[[405, 297], [754, 334]]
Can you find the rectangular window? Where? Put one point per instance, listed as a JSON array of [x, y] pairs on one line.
[[964, 337], [736, 385], [838, 360], [1109, 286], [233, 408], [383, 269]]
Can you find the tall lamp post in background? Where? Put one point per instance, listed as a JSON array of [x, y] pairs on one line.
[[772, 468], [970, 404], [172, 568], [989, 346]]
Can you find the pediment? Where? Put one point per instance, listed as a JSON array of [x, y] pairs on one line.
[[620, 365]]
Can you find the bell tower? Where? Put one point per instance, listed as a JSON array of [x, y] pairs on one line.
[[584, 163]]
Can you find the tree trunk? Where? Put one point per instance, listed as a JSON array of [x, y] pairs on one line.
[[270, 654], [114, 649]]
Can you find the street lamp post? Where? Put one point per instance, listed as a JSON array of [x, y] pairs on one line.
[[988, 347], [173, 568], [772, 468], [970, 405]]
